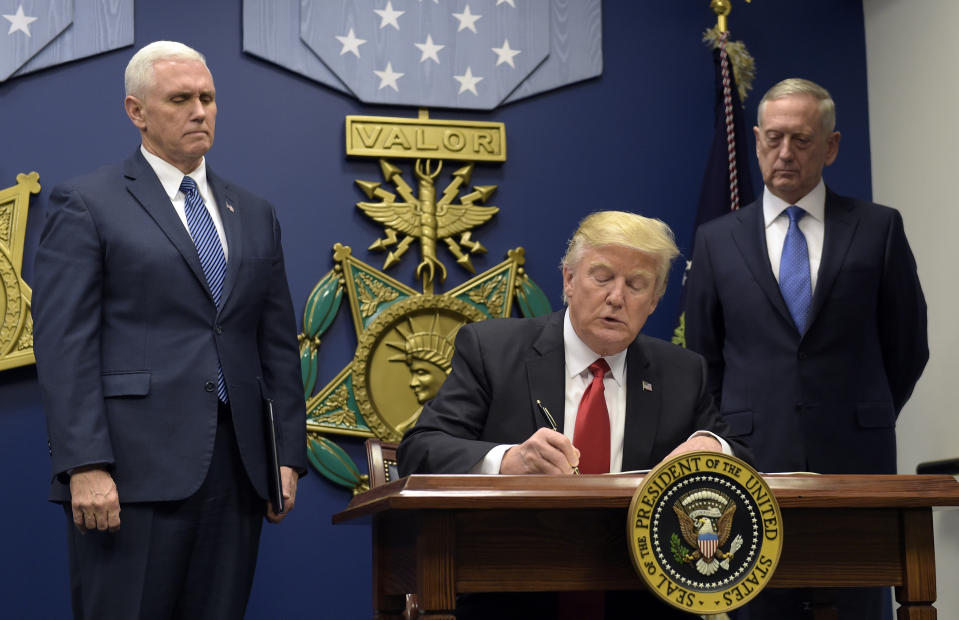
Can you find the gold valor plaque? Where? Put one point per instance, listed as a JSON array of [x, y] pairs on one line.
[[704, 532]]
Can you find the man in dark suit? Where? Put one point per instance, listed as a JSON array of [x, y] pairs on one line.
[[490, 414], [815, 380], [163, 320]]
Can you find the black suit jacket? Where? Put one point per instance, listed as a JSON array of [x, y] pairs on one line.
[[501, 367], [826, 400], [128, 338]]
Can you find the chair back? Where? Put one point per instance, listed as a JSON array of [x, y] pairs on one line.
[[381, 458]]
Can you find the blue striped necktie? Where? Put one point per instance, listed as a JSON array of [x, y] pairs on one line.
[[210, 251], [794, 278]]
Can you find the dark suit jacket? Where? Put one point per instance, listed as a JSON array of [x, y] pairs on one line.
[[502, 366], [827, 400], [127, 336]]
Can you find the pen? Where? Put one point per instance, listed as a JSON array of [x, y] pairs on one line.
[[552, 424]]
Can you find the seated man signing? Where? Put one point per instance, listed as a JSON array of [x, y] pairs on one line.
[[620, 400]]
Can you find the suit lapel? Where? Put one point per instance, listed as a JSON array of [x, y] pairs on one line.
[[146, 188], [841, 224], [644, 405], [227, 205], [750, 238], [545, 372]]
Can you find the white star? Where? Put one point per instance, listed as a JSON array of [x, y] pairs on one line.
[[467, 82], [467, 19], [505, 54], [388, 15], [19, 21], [351, 43], [509, 2], [388, 77], [429, 49], [436, 1]]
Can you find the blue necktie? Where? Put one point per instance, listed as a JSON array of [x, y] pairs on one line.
[[210, 251], [794, 280]]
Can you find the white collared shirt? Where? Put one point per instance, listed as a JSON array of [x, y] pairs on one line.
[[170, 178], [578, 377], [812, 225]]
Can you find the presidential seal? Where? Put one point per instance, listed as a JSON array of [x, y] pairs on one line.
[[704, 532]]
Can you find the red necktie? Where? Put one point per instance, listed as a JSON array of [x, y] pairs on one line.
[[591, 435]]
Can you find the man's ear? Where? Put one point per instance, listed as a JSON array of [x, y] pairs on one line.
[[134, 108], [832, 147]]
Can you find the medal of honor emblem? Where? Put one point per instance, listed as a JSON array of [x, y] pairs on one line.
[[705, 532]]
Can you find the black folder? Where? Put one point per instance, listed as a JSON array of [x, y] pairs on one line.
[[273, 460]]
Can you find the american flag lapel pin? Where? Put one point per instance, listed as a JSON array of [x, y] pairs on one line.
[[647, 386], [230, 207]]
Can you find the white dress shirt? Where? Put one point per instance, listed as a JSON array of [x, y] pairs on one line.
[[812, 225], [170, 177]]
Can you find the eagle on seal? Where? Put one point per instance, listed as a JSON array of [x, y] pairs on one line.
[[697, 513]]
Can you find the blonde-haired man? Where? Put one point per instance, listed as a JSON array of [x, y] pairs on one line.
[[490, 416]]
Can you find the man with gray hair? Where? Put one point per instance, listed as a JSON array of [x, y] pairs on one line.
[[577, 389], [163, 324], [808, 309]]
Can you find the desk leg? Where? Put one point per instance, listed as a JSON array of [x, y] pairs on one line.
[[385, 606], [918, 592], [435, 572]]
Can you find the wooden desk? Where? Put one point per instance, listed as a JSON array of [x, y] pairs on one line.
[[437, 536]]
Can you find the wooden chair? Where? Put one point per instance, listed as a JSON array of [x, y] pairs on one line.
[[381, 458]]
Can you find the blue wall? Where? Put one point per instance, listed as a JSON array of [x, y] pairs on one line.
[[635, 138]]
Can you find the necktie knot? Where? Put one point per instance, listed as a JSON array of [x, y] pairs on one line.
[[187, 185], [599, 368], [795, 214]]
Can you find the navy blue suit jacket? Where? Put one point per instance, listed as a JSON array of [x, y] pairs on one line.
[[127, 335], [501, 367], [826, 400]]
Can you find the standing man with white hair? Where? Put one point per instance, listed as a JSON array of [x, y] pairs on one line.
[[808, 309], [163, 320]]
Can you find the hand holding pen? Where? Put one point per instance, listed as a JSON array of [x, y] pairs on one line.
[[547, 451], [552, 425]]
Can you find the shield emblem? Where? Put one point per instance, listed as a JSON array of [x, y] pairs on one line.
[[708, 543]]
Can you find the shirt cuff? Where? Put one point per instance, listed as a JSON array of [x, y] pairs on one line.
[[727, 449], [491, 463]]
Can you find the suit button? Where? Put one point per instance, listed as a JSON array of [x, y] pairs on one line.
[[218, 329], [210, 386], [803, 355]]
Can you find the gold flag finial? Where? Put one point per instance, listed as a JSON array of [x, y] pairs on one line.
[[722, 8]]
